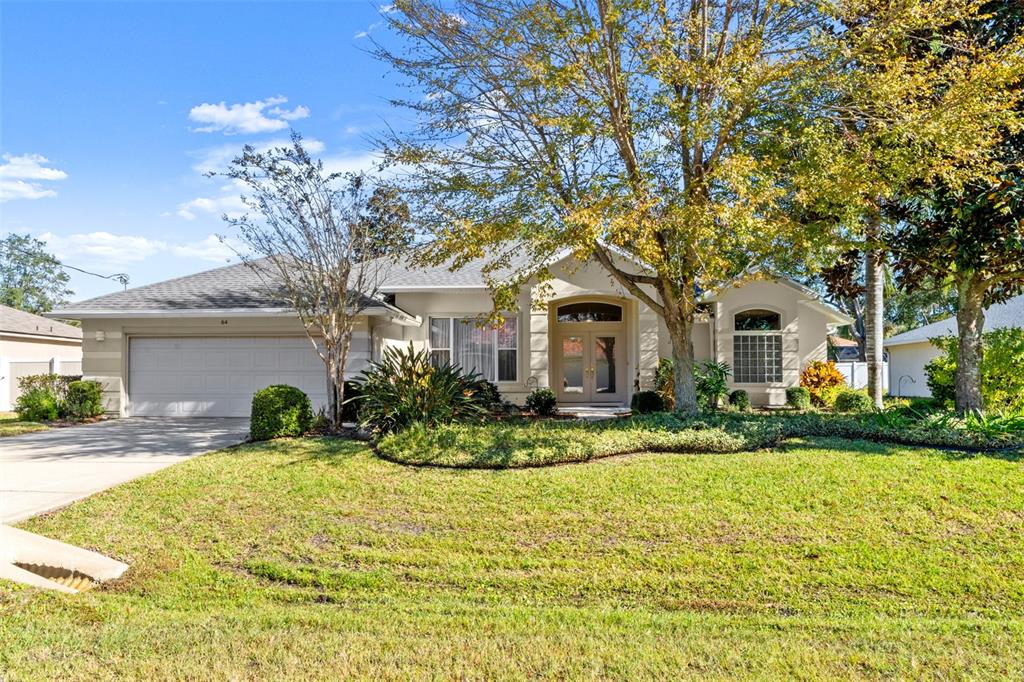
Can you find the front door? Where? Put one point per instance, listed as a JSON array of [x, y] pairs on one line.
[[592, 369]]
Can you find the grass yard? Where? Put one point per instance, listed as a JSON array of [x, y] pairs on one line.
[[10, 425], [317, 560]]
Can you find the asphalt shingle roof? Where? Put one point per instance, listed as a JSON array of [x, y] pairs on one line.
[[239, 287], [998, 316], [17, 321]]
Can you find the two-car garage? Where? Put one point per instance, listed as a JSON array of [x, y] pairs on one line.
[[217, 376]]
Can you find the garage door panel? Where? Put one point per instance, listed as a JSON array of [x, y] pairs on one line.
[[216, 377]]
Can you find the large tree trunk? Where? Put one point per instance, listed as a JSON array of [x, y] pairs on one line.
[[680, 328], [873, 320], [970, 324]]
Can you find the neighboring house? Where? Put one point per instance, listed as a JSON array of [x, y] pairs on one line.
[[910, 351], [843, 350], [30, 344], [201, 345]]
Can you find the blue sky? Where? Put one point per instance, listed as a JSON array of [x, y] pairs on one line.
[[110, 113]]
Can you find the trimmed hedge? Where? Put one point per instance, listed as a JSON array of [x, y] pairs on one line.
[[740, 399], [798, 397], [280, 411], [854, 401], [37, 405], [84, 400], [541, 401], [645, 402]]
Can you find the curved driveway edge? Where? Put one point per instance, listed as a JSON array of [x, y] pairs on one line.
[[42, 471]]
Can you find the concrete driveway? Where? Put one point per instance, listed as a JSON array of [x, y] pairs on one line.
[[46, 470]]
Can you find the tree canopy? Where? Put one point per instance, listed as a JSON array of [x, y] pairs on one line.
[[31, 278]]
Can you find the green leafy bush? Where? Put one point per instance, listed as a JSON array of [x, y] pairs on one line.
[[489, 395], [404, 388], [541, 401], [1002, 369], [84, 400], [740, 400], [280, 411], [664, 382], [37, 405], [798, 397], [712, 380], [524, 443], [822, 378], [854, 401], [55, 384], [645, 402]]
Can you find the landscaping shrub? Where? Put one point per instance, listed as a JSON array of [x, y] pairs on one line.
[[798, 397], [55, 384], [645, 402], [405, 388], [712, 383], [854, 401], [819, 377], [489, 395], [541, 401], [280, 411], [740, 400], [1002, 369], [531, 443], [84, 400], [37, 405], [827, 396]]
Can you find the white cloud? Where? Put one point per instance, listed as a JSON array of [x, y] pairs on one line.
[[388, 9], [109, 249], [369, 29], [216, 159], [260, 116], [21, 176], [230, 204], [103, 246]]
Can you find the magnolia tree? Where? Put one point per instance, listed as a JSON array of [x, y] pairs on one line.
[[658, 131], [322, 242]]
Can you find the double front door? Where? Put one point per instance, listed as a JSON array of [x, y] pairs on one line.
[[591, 367]]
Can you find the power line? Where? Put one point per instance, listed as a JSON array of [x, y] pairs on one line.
[[120, 277]]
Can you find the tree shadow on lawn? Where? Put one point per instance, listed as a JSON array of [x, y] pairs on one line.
[[868, 447]]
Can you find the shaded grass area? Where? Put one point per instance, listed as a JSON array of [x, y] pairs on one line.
[[313, 559], [531, 443], [10, 425]]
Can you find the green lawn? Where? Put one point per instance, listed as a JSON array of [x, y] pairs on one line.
[[317, 560], [10, 425]]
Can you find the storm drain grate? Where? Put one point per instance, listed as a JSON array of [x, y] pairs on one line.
[[63, 576]]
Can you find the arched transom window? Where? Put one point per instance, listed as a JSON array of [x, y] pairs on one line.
[[589, 311], [757, 347]]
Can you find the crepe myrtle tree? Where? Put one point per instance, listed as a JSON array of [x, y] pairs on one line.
[[649, 136], [321, 242]]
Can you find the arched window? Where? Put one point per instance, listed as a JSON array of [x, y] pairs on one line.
[[757, 320], [589, 311], [757, 347]]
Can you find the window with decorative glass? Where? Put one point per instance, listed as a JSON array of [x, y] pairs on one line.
[[757, 347], [493, 353]]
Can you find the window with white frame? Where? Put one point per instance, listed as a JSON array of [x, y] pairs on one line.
[[757, 347], [493, 353]]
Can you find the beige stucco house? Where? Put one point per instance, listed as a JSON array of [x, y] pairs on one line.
[[201, 345], [30, 344], [910, 351]]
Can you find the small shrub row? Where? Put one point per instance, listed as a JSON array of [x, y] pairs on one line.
[[46, 397], [541, 443]]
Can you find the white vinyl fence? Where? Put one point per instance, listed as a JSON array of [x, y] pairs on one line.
[[856, 374]]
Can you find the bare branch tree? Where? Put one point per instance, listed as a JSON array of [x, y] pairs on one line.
[[321, 242]]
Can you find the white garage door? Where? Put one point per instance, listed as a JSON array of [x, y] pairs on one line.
[[216, 377]]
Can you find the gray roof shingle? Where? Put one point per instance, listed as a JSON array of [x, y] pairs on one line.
[[17, 321], [998, 316], [239, 287]]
